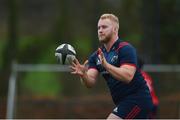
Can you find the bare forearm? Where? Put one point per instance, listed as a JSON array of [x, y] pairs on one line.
[[120, 73], [87, 80]]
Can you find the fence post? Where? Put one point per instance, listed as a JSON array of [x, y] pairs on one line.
[[11, 93]]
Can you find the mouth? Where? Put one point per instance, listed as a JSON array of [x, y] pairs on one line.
[[101, 35]]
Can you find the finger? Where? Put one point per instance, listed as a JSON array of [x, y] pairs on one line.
[[100, 58], [76, 61], [85, 62], [74, 72], [72, 68], [73, 64], [99, 51]]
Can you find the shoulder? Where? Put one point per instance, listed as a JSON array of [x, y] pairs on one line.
[[124, 46], [93, 55]]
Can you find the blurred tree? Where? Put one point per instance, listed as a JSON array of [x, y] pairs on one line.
[[170, 33], [151, 27], [39, 84], [76, 23], [130, 22], [62, 29], [97, 11], [10, 50], [63, 32]]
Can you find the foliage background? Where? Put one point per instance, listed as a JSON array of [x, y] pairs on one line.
[[30, 30]]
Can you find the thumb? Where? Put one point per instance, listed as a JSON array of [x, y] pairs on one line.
[[99, 51], [85, 62], [76, 61]]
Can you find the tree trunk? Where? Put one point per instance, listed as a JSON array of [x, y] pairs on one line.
[[9, 53]]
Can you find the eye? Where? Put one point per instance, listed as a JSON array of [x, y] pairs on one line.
[[99, 27], [103, 27]]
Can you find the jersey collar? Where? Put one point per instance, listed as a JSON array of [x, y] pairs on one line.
[[113, 47]]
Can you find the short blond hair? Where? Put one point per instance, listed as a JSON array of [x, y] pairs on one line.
[[111, 17]]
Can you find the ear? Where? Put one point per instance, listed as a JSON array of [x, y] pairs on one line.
[[115, 30]]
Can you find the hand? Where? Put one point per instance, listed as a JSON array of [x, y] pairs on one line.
[[78, 68], [101, 57]]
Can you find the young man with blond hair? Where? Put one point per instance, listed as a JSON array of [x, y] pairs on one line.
[[117, 62]]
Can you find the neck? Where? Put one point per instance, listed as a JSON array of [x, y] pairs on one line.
[[110, 43]]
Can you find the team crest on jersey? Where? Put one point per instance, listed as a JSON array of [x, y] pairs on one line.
[[102, 70], [114, 58]]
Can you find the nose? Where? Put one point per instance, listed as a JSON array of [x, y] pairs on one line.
[[100, 30]]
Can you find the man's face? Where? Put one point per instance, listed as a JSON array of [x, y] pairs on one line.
[[105, 30]]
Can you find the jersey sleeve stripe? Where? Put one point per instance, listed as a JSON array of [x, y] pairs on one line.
[[129, 64], [122, 44], [133, 112], [92, 68]]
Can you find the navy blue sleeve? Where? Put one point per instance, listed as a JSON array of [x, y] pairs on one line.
[[128, 55], [92, 61]]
